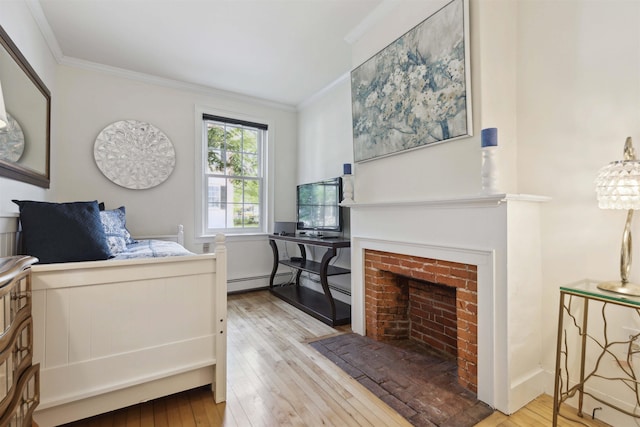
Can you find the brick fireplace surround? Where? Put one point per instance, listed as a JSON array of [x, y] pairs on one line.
[[498, 236], [431, 301]]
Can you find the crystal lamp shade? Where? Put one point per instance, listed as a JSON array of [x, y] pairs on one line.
[[618, 185]]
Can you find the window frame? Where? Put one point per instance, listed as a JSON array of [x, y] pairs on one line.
[[202, 234]]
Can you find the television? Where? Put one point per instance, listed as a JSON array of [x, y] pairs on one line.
[[319, 205]]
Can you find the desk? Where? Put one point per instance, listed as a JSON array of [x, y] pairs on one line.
[[614, 354], [321, 306]]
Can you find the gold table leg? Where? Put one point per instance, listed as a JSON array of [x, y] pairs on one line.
[[556, 388], [585, 316]]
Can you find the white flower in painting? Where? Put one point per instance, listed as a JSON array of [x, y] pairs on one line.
[[388, 89], [455, 68], [417, 75], [396, 77], [420, 106], [371, 100], [430, 98]]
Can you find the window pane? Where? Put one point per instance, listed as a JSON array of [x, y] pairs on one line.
[[215, 136], [234, 164], [237, 215], [236, 190], [216, 203], [250, 143], [250, 165], [234, 139], [215, 161], [251, 215], [252, 191]]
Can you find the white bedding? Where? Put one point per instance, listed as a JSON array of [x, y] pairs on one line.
[[152, 249]]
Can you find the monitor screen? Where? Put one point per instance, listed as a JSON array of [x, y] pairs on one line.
[[318, 205]]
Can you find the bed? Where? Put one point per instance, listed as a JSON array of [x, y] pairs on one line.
[[112, 333]]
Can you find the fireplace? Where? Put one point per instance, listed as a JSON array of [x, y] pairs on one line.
[[426, 300], [487, 248]]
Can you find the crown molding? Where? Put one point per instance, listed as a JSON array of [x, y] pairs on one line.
[[322, 92], [41, 21], [171, 83], [376, 15]]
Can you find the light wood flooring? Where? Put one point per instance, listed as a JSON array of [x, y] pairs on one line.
[[276, 379]]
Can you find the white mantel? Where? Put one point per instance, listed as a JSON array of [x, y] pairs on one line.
[[500, 234]]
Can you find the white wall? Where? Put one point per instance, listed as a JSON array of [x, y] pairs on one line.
[[578, 93], [324, 133], [19, 24], [324, 146], [561, 81], [93, 99]]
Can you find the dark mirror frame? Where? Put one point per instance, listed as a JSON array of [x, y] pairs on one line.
[[15, 170]]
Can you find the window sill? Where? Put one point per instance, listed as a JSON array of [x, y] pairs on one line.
[[242, 237]]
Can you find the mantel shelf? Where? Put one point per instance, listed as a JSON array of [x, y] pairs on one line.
[[482, 200]]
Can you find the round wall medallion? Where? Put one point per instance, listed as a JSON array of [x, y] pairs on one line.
[[134, 154], [11, 141]]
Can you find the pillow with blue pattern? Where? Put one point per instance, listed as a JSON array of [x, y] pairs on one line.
[[114, 223]]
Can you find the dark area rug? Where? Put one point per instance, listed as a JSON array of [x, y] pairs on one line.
[[420, 384]]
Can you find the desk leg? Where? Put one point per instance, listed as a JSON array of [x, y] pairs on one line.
[[556, 388], [303, 255], [276, 258], [324, 265]]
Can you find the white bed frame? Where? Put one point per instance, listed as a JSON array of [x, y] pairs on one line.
[[109, 334]]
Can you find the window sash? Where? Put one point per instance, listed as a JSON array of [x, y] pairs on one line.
[[238, 217]]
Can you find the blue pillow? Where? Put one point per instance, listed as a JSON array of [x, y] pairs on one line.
[[62, 232], [114, 223]]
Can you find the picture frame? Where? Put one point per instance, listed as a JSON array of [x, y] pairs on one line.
[[415, 92]]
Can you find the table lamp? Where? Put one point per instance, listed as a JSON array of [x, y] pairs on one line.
[[618, 187]]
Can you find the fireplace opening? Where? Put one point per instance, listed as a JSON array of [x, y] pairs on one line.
[[432, 302]]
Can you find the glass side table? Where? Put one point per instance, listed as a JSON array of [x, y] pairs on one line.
[[612, 364]]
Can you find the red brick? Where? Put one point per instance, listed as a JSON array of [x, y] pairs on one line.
[[402, 300]]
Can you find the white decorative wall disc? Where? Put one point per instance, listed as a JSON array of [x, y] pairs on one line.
[[134, 154]]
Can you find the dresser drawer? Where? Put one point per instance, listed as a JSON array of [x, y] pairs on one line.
[[19, 380], [14, 360], [15, 305], [25, 400]]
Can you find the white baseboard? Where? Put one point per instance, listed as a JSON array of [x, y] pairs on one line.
[[525, 389], [253, 283]]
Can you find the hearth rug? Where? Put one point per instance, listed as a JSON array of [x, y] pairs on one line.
[[420, 384]]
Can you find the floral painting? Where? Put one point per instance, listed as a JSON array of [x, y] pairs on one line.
[[416, 91]]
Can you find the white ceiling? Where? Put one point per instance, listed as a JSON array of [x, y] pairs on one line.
[[279, 50]]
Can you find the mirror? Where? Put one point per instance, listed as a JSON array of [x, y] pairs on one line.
[[24, 144]]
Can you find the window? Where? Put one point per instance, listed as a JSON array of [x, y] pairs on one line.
[[233, 175]]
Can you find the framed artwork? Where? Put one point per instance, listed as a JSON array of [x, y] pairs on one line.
[[416, 91]]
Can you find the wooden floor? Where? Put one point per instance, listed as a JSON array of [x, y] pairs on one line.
[[276, 379]]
